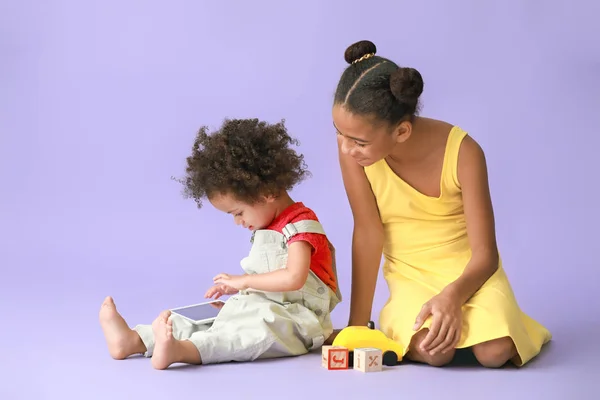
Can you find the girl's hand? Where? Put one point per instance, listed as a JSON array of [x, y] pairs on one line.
[[219, 290], [332, 337], [238, 282], [446, 323]]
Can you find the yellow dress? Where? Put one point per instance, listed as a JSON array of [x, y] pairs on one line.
[[426, 247]]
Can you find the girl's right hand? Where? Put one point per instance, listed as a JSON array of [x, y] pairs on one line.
[[219, 290]]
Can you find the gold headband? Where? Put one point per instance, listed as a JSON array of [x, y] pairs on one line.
[[369, 55]]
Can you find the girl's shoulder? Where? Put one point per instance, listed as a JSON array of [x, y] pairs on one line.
[[301, 212], [294, 213]]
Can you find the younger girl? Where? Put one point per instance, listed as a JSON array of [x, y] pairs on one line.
[[281, 305]]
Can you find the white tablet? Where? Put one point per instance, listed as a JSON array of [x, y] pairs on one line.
[[200, 313]]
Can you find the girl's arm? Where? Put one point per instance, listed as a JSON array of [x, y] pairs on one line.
[[367, 239], [479, 214], [292, 277]]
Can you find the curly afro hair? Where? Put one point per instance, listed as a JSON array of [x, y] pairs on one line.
[[246, 158]]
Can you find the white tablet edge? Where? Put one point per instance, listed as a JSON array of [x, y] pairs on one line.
[[202, 321]]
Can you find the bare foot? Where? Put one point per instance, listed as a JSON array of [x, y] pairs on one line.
[[165, 345], [121, 340]]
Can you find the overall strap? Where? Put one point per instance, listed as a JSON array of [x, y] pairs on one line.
[[312, 226], [304, 226]]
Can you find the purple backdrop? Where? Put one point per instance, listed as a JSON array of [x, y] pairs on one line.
[[99, 104]]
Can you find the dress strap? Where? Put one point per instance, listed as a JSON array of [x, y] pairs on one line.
[[455, 139]]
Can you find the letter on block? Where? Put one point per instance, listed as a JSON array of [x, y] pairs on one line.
[[334, 357], [368, 360]]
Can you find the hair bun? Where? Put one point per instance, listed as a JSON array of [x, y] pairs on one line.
[[358, 50], [406, 85]]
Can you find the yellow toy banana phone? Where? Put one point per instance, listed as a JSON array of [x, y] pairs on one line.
[[353, 337]]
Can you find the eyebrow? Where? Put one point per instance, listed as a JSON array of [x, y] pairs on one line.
[[350, 137]]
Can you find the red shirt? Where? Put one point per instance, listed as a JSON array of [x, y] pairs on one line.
[[321, 261]]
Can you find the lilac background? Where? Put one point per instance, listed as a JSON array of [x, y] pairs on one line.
[[99, 103]]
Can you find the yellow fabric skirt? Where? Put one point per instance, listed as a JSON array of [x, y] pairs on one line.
[[491, 313]]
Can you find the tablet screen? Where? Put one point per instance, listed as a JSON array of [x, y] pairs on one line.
[[201, 311]]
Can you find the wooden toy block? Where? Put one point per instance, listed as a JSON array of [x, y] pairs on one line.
[[368, 360], [334, 357]]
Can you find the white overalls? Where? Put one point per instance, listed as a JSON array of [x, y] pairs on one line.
[[255, 324]]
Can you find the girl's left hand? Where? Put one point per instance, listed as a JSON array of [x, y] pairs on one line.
[[235, 281], [217, 291], [446, 323]]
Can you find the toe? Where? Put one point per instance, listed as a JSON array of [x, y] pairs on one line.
[[108, 302], [165, 315]]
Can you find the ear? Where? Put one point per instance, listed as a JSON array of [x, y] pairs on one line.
[[269, 198], [402, 131]]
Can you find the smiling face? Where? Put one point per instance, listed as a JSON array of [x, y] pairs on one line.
[[251, 216], [365, 141]]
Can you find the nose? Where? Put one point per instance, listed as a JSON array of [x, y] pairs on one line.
[[238, 220], [345, 147]]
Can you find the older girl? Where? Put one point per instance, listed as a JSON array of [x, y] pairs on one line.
[[418, 190]]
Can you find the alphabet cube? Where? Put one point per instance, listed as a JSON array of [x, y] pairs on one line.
[[368, 360], [334, 357]]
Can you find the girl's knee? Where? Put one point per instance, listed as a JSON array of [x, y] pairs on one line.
[[437, 360], [495, 353], [440, 359], [415, 352]]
